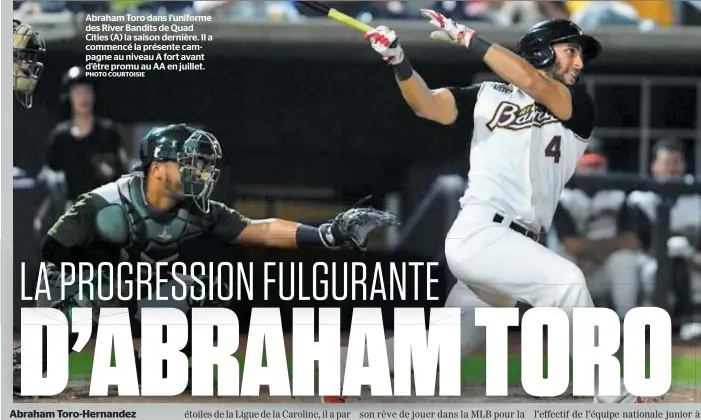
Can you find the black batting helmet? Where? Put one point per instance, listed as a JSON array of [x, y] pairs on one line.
[[536, 46]]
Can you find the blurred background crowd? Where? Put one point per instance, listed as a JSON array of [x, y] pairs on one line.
[[310, 127], [589, 14]]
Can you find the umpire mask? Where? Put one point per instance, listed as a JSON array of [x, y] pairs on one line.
[[28, 47], [199, 167]]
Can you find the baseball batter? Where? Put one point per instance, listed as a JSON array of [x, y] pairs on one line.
[[526, 136], [151, 215]]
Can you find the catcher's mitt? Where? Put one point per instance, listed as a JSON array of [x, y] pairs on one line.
[[351, 228]]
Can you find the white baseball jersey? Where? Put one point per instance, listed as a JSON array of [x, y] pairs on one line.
[[521, 156]]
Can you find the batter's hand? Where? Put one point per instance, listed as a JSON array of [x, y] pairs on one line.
[[385, 42], [449, 30]]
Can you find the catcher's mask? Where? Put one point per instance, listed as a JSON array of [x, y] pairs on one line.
[[28, 48], [536, 46], [199, 167], [197, 152]]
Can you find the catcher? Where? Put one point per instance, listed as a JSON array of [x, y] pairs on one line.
[[150, 214], [28, 48]]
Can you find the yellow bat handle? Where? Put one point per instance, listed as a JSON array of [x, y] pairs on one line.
[[347, 20]]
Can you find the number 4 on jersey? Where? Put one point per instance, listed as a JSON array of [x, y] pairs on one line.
[[552, 150]]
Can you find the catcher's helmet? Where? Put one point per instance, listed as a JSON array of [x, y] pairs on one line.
[[536, 46], [28, 47], [197, 152]]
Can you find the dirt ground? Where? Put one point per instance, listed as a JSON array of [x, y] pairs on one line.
[[78, 392]]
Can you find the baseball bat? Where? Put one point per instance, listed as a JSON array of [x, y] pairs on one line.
[[334, 14]]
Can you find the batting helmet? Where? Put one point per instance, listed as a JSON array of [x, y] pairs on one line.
[[28, 48], [536, 46]]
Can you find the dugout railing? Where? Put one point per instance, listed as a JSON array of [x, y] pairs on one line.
[[440, 206]]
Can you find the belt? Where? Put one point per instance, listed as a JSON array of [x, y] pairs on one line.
[[498, 218]]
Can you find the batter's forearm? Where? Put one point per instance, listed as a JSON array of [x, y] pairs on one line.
[[414, 90], [511, 67], [416, 93], [424, 101]]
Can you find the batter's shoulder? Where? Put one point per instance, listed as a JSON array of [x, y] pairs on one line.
[[583, 118], [465, 98]]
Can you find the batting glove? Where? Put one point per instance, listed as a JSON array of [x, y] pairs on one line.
[[385, 42], [449, 31]]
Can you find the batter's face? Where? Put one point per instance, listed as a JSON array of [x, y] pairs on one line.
[[568, 64], [668, 164]]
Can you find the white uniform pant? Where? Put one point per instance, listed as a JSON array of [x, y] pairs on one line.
[[496, 267], [503, 266]]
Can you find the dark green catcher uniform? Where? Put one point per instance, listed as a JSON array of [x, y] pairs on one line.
[[113, 223]]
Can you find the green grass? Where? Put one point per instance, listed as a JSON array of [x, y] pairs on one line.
[[686, 370]]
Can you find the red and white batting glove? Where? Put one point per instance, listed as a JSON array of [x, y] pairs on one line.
[[385, 42], [449, 31]]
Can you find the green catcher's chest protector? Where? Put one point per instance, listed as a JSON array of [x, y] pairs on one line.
[[143, 236]]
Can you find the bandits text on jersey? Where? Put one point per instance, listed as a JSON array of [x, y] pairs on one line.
[[511, 116]]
